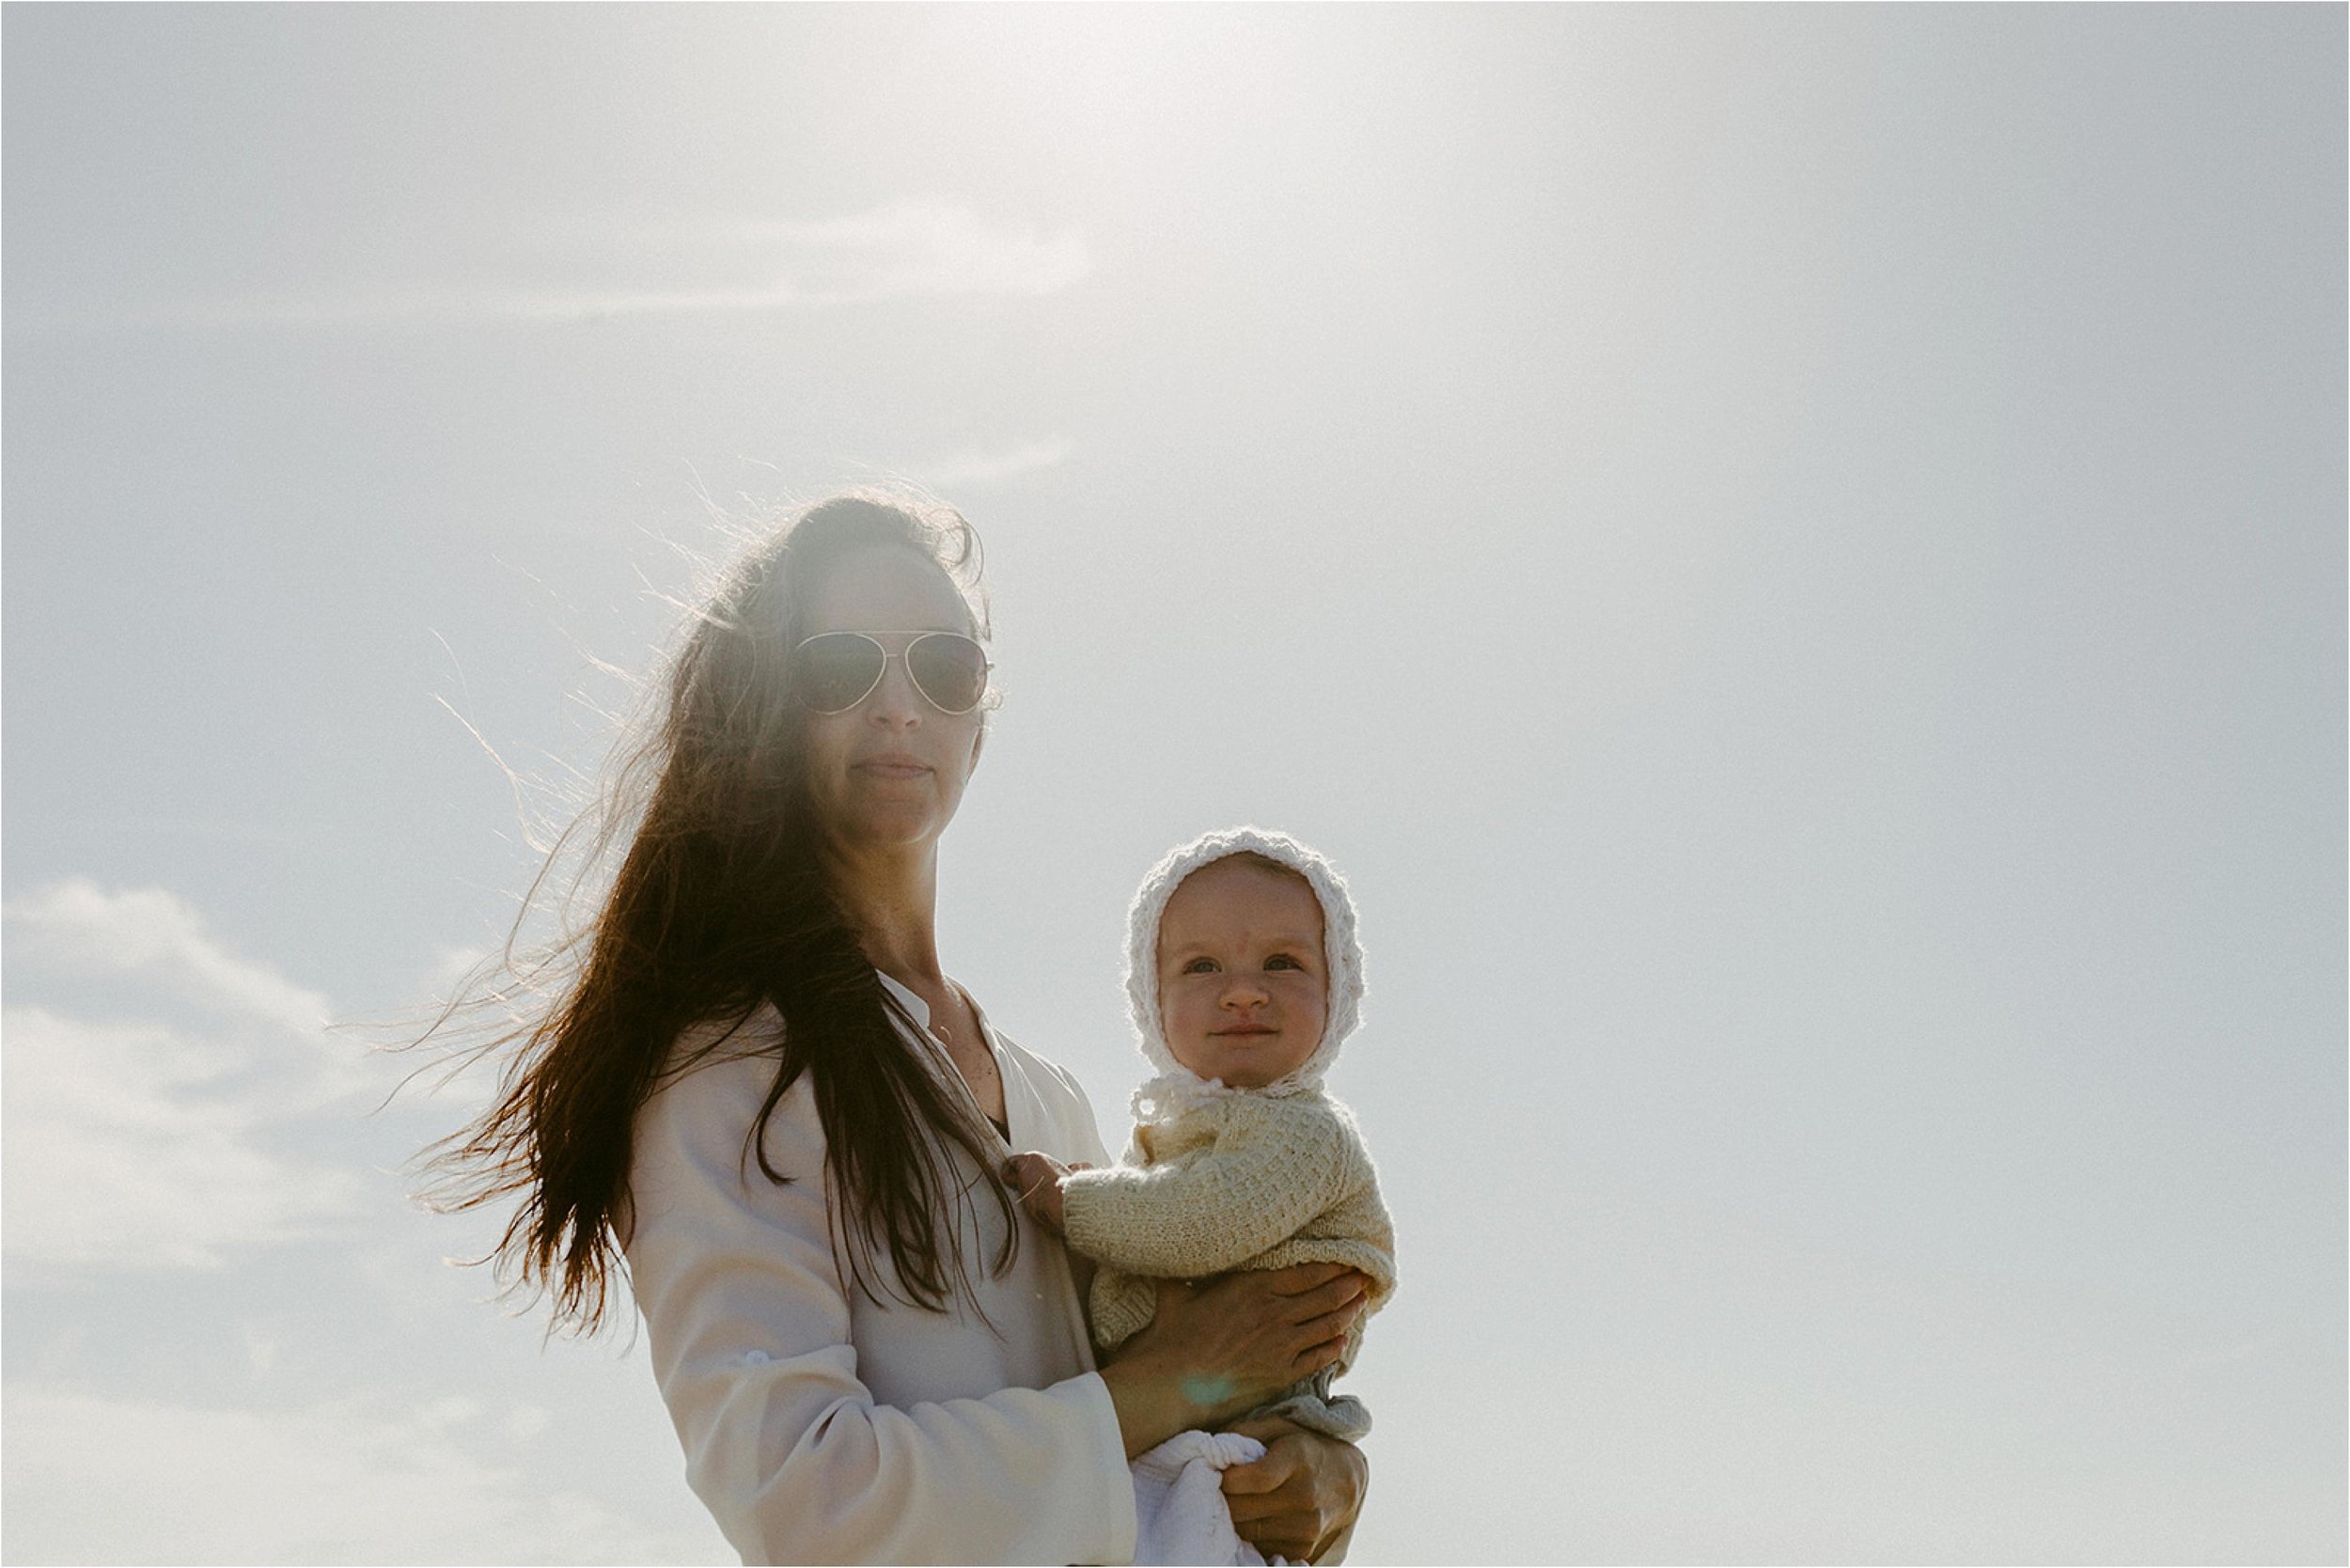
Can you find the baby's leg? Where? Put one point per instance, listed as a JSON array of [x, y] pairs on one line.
[[1311, 1406], [1123, 1305]]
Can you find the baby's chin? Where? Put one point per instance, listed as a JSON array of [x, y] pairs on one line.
[[1245, 1075]]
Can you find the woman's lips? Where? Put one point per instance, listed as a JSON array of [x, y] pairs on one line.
[[893, 766]]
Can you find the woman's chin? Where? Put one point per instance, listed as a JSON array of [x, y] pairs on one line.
[[889, 825]]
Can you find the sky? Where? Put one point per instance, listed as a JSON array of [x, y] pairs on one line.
[[1794, 557]]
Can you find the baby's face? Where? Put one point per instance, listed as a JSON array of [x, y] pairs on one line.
[[1243, 986]]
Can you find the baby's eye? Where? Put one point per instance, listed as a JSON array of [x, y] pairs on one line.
[[1282, 961], [1198, 967]]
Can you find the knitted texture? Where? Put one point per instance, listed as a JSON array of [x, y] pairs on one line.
[[1176, 1085], [1244, 1181]]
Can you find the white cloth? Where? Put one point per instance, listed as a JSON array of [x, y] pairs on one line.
[[1180, 1512], [820, 1426]]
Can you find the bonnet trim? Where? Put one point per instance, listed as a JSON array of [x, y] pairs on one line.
[[1176, 1087]]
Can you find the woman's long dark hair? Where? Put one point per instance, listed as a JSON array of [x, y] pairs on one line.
[[720, 907]]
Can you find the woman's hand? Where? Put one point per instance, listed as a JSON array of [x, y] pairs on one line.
[[1300, 1499], [1215, 1351]]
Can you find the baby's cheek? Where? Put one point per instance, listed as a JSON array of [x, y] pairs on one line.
[[1183, 1023]]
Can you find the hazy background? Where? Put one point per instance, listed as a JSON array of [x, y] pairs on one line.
[[1795, 557]]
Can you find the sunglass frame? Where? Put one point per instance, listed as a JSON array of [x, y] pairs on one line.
[[880, 671]]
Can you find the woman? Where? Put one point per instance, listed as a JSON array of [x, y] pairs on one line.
[[759, 1084]]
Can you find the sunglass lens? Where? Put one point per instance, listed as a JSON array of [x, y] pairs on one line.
[[951, 671], [836, 670]]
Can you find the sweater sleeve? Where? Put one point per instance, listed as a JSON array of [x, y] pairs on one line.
[[1272, 1168], [749, 1325]]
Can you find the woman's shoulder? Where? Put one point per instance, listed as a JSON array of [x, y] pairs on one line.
[[1040, 1071], [1054, 1091], [726, 1037], [690, 1152], [718, 1074]]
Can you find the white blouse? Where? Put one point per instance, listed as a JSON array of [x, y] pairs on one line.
[[820, 1426]]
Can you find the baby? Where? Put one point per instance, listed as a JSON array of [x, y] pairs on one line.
[[1244, 974]]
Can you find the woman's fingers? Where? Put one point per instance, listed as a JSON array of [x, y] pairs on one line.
[[1288, 1537], [1337, 1320], [1275, 1491], [1236, 1340], [1308, 1306], [1311, 1359], [1298, 1279], [1322, 1339], [1310, 1291], [1276, 1531], [1342, 1299], [1250, 1487], [1293, 1502]]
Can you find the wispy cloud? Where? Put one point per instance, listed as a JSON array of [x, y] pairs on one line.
[[975, 466], [275, 834], [172, 1105], [440, 1480], [140, 1145], [903, 251], [78, 927], [150, 1138]]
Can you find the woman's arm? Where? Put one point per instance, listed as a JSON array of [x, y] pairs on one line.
[[1213, 1352], [749, 1328]]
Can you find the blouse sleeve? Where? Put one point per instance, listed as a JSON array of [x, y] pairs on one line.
[[749, 1320]]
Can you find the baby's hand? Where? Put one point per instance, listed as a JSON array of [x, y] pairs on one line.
[[1036, 1179]]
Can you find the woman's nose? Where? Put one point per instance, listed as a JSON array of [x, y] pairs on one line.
[[894, 701]]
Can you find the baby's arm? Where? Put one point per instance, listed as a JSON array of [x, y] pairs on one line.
[[1036, 1179], [1211, 1210]]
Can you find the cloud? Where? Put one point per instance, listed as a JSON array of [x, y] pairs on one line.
[[903, 251], [77, 927], [153, 1138], [141, 1146], [974, 466], [452, 965], [93, 1479]]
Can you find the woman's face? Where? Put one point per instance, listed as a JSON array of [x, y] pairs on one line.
[[889, 771]]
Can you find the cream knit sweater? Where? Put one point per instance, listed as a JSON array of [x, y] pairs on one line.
[[1240, 1180]]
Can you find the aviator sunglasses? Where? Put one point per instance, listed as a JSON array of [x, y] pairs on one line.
[[833, 672]]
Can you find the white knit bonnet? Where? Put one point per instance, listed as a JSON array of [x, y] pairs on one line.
[[1176, 1085]]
